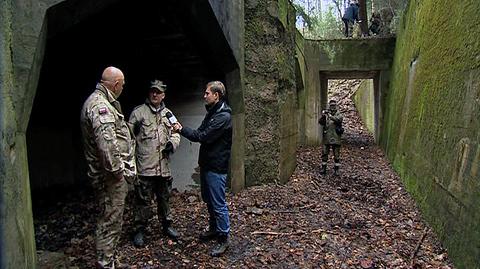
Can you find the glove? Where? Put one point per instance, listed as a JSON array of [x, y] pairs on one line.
[[167, 150]]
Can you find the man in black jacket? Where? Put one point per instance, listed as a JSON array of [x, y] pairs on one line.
[[215, 137], [350, 17]]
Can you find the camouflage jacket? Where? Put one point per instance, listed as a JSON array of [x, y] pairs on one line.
[[109, 145], [330, 136], [153, 131]]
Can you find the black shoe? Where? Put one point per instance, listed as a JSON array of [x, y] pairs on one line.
[[335, 171], [221, 246], [138, 240], [208, 235], [324, 170], [170, 232]]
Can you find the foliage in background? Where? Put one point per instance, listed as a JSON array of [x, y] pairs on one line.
[[329, 27], [321, 19]]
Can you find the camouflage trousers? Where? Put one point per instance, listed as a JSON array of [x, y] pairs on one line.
[[145, 189], [336, 153], [110, 195]]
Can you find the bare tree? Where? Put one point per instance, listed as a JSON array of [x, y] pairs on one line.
[[339, 7], [362, 12]]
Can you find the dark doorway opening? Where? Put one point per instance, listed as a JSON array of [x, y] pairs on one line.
[[151, 40]]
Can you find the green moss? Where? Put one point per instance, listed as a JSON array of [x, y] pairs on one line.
[[425, 122], [269, 79]]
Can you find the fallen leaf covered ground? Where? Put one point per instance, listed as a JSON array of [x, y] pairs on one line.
[[363, 218]]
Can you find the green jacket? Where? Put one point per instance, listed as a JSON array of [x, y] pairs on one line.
[[329, 122], [153, 131]]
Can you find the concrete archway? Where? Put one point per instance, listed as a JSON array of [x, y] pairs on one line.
[[344, 58], [373, 75]]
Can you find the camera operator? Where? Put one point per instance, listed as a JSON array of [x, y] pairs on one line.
[[331, 121]]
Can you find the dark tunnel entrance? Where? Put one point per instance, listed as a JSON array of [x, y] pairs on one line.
[[154, 40]]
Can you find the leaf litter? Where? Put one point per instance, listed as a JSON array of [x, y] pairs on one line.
[[363, 218]]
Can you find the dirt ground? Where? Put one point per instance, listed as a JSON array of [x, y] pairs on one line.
[[363, 218]]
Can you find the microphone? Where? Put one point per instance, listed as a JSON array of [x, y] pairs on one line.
[[171, 118]]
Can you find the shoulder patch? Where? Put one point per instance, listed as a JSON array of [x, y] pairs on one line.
[[102, 110]]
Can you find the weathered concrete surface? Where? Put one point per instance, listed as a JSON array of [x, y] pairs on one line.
[[432, 121], [229, 15], [343, 58], [364, 100], [21, 28], [300, 75], [270, 92]]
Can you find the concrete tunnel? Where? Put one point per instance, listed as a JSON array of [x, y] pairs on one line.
[[155, 40]]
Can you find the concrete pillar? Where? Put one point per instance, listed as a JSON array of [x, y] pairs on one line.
[[16, 83], [376, 107], [311, 130], [383, 90]]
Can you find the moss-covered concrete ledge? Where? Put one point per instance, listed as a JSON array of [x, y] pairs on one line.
[[343, 58], [432, 121]]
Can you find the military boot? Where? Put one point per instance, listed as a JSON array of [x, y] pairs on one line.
[[169, 231], [336, 170], [138, 240], [221, 246], [323, 171]]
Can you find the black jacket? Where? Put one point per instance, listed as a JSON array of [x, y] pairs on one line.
[[351, 13], [215, 137]]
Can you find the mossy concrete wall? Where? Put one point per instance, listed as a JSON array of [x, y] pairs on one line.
[[364, 99], [431, 126], [270, 93], [22, 35], [300, 75], [343, 58]]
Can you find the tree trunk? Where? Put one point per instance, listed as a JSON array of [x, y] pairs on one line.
[[362, 12]]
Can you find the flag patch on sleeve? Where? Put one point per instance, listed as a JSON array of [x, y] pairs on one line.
[[102, 110]]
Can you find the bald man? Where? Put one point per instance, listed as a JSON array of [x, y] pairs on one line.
[[109, 150]]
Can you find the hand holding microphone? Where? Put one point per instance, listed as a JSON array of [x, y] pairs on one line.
[[177, 127]]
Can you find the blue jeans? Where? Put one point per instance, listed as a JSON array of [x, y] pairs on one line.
[[212, 186]]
